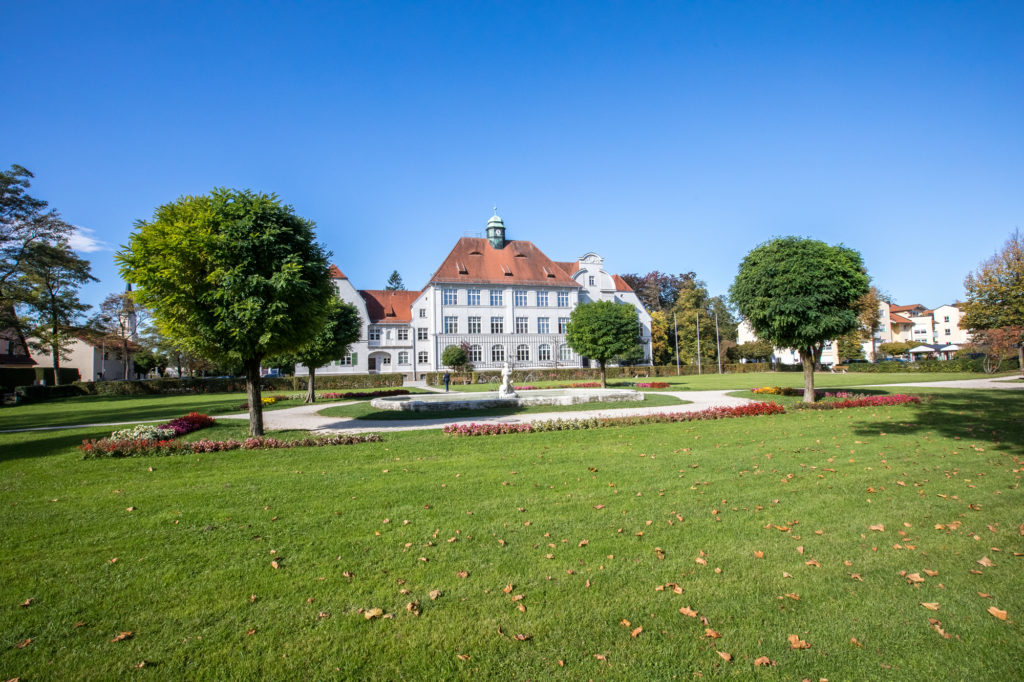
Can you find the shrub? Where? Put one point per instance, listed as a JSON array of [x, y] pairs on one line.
[[93, 449], [653, 384], [143, 432], [865, 401], [364, 395]]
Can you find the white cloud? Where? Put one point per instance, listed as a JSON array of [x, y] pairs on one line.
[[82, 240]]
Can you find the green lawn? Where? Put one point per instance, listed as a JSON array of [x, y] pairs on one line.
[[349, 527], [714, 382], [363, 410], [96, 409]]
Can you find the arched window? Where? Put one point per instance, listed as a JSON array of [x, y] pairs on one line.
[[422, 357], [522, 353], [403, 357], [476, 354], [497, 353], [564, 353], [544, 352]]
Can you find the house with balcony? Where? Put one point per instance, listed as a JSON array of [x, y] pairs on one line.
[[504, 299]]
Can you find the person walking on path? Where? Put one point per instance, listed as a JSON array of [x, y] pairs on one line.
[[447, 380]]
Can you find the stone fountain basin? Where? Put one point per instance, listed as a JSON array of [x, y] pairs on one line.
[[444, 402]]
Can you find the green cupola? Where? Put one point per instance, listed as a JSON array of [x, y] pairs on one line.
[[496, 231]]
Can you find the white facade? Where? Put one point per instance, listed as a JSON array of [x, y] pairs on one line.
[[500, 321]]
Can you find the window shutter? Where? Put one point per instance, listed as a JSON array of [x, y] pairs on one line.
[[355, 358]]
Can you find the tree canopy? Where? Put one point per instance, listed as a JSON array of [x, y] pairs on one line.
[[395, 282], [995, 293], [602, 330], [231, 276], [658, 290], [456, 357], [798, 293]]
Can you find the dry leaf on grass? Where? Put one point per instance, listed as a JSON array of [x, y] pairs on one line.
[[636, 631], [462, 657], [122, 636], [878, 526], [24, 643], [930, 605], [27, 602], [986, 562], [998, 613], [759, 554], [712, 634], [687, 611], [796, 643], [763, 661], [370, 614], [725, 656], [434, 594]]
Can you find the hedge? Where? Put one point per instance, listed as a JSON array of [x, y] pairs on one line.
[[954, 365], [37, 393], [12, 377], [591, 373], [197, 385]]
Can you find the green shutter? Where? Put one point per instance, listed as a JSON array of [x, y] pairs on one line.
[[355, 359]]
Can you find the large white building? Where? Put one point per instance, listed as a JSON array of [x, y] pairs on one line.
[[505, 299]]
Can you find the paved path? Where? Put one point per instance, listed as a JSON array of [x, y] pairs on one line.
[[999, 383], [307, 419]]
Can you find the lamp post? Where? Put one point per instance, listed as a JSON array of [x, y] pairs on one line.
[[675, 327], [718, 344], [699, 368]]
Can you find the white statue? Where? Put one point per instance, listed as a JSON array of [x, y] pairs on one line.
[[506, 390]]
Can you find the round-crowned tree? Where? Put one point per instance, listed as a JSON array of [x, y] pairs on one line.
[[233, 276], [602, 330], [798, 293]]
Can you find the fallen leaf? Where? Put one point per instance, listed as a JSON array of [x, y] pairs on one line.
[[914, 578], [462, 657], [702, 561], [370, 614], [998, 613], [625, 623], [712, 634], [517, 597], [986, 562], [687, 611], [600, 657], [930, 574], [856, 576], [763, 660], [813, 562], [796, 643], [24, 643], [853, 641], [930, 605], [323, 614], [726, 657], [131, 509], [462, 574], [140, 664], [521, 638], [252, 598], [434, 594], [583, 543], [635, 632], [984, 595], [27, 602], [250, 633], [508, 588], [759, 554], [793, 596], [274, 564], [122, 636], [878, 526]]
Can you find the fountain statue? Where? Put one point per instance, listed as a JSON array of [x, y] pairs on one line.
[[505, 391]]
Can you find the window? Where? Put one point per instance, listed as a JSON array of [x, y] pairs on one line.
[[497, 353], [563, 299], [387, 334], [403, 357], [422, 357], [497, 325], [495, 296], [423, 312], [542, 298], [828, 345], [473, 297], [476, 354], [346, 361], [374, 334], [520, 298], [421, 334], [948, 332], [386, 360], [403, 334], [590, 280], [474, 325], [522, 327], [544, 352], [449, 296], [543, 325], [564, 353], [451, 324], [946, 319], [563, 324], [523, 353]]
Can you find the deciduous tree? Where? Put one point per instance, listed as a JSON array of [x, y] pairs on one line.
[[894, 348], [341, 329], [455, 357], [799, 293], [233, 276], [995, 294], [51, 278], [602, 330]]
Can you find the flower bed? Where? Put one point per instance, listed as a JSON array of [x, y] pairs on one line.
[[750, 410], [106, 447], [865, 401], [363, 395], [653, 384], [266, 400], [787, 391], [578, 384]]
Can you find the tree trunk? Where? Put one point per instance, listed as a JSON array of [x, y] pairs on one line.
[[55, 349], [603, 377], [1020, 357], [124, 358], [311, 386], [807, 359], [252, 390]]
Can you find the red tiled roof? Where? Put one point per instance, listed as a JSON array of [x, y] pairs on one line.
[[569, 267], [899, 319], [389, 306], [335, 273], [904, 308], [620, 284], [474, 260]]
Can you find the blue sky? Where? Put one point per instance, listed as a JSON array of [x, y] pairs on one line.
[[664, 136]]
